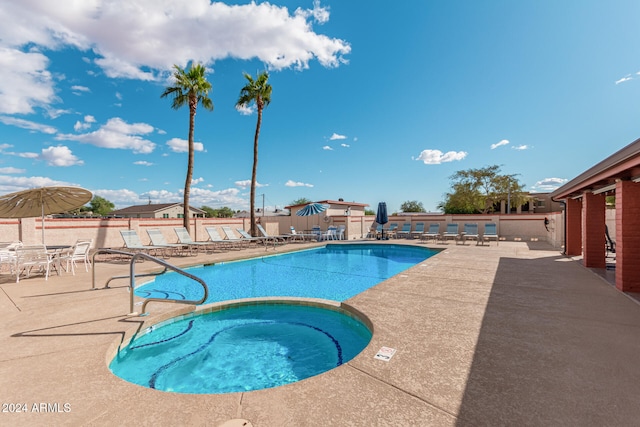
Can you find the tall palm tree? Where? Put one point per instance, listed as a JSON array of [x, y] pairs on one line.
[[191, 88], [258, 91]]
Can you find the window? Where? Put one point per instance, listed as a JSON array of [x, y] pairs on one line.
[[180, 215], [165, 215]]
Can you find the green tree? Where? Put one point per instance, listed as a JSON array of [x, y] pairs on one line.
[[210, 212], [190, 88], [412, 206], [479, 190], [300, 201], [100, 205], [258, 91], [369, 212], [224, 212]]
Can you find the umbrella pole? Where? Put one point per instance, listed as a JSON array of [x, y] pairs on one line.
[[42, 223]]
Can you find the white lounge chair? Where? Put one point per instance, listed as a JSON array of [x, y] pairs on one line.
[[451, 233], [490, 233], [471, 233], [246, 236], [233, 239], [276, 239], [133, 243], [405, 231], [432, 233], [418, 231], [185, 238], [157, 239]]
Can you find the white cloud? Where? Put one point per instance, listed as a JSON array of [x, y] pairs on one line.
[[336, 136], [79, 90], [178, 145], [25, 82], [327, 147], [198, 197], [244, 184], [196, 181], [117, 133], [26, 124], [345, 145], [143, 163], [498, 144], [10, 184], [84, 125], [12, 170], [521, 147], [624, 79], [246, 110], [291, 183], [435, 157], [549, 184], [266, 32], [60, 156]]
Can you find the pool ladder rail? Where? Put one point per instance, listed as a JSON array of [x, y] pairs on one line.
[[135, 256]]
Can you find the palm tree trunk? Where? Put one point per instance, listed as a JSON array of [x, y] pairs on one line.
[[254, 173], [187, 182]]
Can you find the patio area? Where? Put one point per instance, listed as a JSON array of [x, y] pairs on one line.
[[514, 334]]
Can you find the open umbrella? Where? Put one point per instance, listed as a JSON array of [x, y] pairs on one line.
[[311, 209], [381, 215], [42, 201]]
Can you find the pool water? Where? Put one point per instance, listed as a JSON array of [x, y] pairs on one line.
[[247, 347], [334, 272]]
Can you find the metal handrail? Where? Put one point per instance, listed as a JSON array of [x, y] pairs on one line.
[[132, 276]]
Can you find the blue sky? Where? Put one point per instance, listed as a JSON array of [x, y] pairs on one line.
[[372, 101]]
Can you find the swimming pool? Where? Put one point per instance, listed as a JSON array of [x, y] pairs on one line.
[[333, 272], [242, 348], [263, 343]]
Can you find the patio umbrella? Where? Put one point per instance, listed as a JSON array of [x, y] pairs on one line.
[[381, 215], [311, 209], [39, 202]]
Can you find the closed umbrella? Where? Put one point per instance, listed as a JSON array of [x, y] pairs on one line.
[[39, 202], [381, 216]]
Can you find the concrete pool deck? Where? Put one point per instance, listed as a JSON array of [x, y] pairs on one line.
[[514, 334]]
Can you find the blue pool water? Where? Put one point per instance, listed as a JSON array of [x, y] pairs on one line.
[[333, 272], [258, 346], [244, 348]]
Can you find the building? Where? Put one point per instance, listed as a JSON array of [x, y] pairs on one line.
[[161, 210], [585, 214], [334, 208]]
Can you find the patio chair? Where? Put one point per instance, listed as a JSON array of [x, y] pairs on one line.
[[451, 233], [405, 231], [391, 231], [8, 254], [248, 237], [233, 239], [490, 233], [157, 239], [298, 237], [78, 252], [133, 243], [471, 233], [274, 239], [418, 231], [432, 233], [185, 238], [219, 241], [341, 229], [29, 257]]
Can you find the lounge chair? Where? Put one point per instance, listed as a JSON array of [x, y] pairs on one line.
[[157, 239], [418, 231], [373, 232], [233, 239], [132, 242], [78, 252], [274, 239], [405, 231], [29, 257], [185, 238], [451, 233], [432, 233], [391, 231], [471, 233], [219, 241], [295, 236], [246, 236], [490, 233]]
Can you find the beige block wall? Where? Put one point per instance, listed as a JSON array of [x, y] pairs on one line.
[[106, 232]]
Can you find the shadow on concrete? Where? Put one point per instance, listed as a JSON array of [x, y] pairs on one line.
[[557, 346]]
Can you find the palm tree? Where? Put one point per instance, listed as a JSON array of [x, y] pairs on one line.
[[258, 91], [191, 87]]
